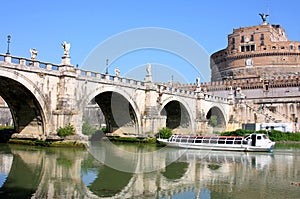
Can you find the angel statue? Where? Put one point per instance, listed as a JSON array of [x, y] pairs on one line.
[[263, 17], [66, 47], [117, 71], [33, 53], [148, 69]]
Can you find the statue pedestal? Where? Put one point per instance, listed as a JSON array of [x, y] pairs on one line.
[[148, 78], [66, 60]]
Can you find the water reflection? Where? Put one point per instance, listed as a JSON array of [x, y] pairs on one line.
[[31, 172]]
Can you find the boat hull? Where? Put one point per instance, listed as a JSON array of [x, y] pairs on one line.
[[219, 147]]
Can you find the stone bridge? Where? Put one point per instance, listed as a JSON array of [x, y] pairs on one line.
[[43, 97]]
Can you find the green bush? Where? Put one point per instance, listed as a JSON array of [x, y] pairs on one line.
[[238, 132], [274, 135], [65, 131], [165, 133]]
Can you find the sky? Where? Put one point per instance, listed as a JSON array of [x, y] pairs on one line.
[[95, 26]]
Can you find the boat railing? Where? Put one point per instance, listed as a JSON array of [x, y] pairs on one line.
[[207, 140]]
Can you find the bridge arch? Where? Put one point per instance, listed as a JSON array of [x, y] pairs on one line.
[[116, 116], [219, 113], [27, 104], [179, 115]]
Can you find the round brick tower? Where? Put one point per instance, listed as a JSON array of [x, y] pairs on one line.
[[256, 52]]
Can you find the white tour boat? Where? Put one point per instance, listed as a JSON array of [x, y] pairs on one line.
[[252, 142]]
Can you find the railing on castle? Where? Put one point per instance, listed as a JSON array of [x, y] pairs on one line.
[[254, 83]]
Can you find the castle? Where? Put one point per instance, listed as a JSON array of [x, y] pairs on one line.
[[256, 51], [259, 69]]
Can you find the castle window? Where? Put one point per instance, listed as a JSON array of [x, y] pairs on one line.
[[247, 48], [233, 40], [291, 47], [232, 47], [262, 43], [273, 47], [299, 47], [252, 38], [242, 39], [242, 48], [262, 36]]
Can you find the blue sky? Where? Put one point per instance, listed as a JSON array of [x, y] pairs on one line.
[[44, 25]]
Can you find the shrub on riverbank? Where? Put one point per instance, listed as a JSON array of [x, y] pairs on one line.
[[6, 127], [273, 135], [165, 133], [132, 139]]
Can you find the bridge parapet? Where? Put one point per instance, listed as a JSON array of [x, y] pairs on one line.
[[25, 62], [172, 90]]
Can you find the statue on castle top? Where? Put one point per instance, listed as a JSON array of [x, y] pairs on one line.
[[33, 53], [66, 47], [263, 17]]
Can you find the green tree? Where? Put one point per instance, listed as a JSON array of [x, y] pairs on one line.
[[213, 121]]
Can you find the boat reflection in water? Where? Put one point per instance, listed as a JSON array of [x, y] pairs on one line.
[[147, 172]]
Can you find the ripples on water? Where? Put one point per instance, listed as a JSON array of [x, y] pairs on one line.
[[139, 171]]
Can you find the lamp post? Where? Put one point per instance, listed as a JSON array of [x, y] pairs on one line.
[[8, 42], [106, 72]]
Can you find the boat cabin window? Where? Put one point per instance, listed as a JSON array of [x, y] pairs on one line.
[[206, 140], [229, 140], [247, 138], [258, 137], [238, 141], [221, 140], [191, 140], [198, 141], [265, 137], [183, 139], [213, 140]]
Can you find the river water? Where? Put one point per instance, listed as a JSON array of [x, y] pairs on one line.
[[109, 170]]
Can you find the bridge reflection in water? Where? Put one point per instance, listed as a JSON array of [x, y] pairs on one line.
[[31, 172]]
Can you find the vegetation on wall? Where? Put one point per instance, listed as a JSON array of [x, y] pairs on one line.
[[65, 131]]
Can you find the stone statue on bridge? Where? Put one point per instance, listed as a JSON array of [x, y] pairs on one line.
[[117, 72], [33, 53], [148, 69], [198, 83], [66, 47], [148, 75]]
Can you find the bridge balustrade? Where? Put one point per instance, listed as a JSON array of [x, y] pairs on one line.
[[28, 62]]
